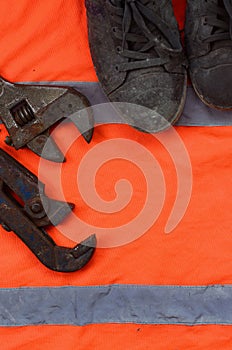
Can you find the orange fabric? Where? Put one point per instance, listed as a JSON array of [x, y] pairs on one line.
[[118, 337], [190, 255], [46, 41]]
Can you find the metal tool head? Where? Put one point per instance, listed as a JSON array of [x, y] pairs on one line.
[[74, 259], [34, 211], [28, 111]]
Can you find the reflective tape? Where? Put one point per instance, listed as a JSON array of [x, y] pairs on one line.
[[138, 304], [195, 113]]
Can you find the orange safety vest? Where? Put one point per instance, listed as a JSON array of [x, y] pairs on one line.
[[160, 291]]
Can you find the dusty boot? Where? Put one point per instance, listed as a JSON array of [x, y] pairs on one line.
[[208, 37], [138, 57]]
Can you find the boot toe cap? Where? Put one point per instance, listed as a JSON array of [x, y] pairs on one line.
[[162, 95], [214, 85]]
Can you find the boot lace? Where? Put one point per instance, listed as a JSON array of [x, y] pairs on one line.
[[219, 17], [137, 28]]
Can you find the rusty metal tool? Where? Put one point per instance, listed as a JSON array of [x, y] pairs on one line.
[[29, 111], [25, 209]]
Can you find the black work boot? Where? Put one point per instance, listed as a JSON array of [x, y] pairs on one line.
[[138, 56], [208, 37]]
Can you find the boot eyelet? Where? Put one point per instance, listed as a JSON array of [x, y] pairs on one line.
[[204, 21]]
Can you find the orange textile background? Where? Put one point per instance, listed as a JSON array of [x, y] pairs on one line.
[[119, 337], [47, 41]]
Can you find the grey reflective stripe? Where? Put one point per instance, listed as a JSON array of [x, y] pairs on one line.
[[195, 112], [176, 305]]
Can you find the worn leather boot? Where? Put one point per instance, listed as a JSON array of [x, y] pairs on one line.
[[208, 37], [138, 57]]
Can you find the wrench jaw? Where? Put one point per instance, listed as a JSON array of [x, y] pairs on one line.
[[74, 259], [29, 111], [27, 221], [88, 135], [44, 146], [84, 122], [54, 211]]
